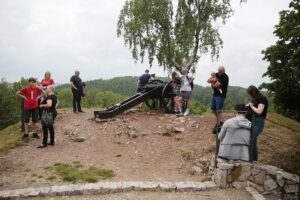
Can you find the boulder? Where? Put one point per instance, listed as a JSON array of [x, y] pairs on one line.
[[291, 188], [270, 185], [260, 178], [240, 173]]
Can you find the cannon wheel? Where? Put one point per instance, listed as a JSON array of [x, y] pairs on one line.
[[167, 98], [154, 103]]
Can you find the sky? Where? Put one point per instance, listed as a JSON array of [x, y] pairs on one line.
[[61, 36]]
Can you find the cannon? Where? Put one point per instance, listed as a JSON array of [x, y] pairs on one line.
[[156, 94]]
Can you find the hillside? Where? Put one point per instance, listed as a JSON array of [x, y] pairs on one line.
[[127, 86], [131, 151]]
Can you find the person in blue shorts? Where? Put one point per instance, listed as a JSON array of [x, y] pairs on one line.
[[218, 97]]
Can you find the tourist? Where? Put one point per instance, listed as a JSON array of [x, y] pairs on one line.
[[186, 88], [218, 98], [49, 105], [259, 107], [176, 91], [143, 81], [47, 80], [31, 95], [77, 90], [235, 136]]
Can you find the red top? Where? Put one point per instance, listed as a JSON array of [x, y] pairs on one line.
[[31, 95], [45, 82]]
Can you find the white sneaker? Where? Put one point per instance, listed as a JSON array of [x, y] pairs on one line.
[[186, 113]]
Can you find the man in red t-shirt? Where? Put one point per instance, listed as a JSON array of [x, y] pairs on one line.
[[31, 95]]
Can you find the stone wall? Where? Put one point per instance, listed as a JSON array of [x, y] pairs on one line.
[[266, 179]]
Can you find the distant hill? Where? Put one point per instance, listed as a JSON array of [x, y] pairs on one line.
[[127, 86]]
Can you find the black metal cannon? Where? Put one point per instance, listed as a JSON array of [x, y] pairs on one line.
[[157, 94]]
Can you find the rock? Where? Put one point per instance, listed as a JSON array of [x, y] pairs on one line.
[[240, 173], [291, 188], [260, 178], [270, 184], [177, 130], [291, 197], [255, 170], [224, 166], [239, 184], [220, 178], [279, 180], [132, 134], [291, 178]]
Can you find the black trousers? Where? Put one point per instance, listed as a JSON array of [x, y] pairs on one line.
[[76, 101], [51, 130], [45, 135]]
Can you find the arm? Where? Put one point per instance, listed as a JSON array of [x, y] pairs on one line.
[[257, 110], [137, 85], [72, 85], [21, 95], [47, 105]]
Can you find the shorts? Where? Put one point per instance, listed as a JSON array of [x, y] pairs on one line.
[[33, 112], [217, 103], [186, 94]]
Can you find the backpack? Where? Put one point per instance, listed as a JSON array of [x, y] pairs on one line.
[[47, 119]]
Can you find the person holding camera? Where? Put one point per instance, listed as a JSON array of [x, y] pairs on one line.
[[259, 108]]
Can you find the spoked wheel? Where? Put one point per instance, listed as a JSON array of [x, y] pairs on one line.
[[168, 98], [155, 102]]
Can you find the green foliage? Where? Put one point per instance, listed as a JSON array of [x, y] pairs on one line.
[[175, 38], [284, 58], [94, 98], [10, 104], [197, 108]]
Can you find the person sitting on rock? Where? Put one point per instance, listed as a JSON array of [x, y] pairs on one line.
[[235, 136]]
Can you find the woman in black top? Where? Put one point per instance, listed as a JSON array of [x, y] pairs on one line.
[[259, 106], [49, 105]]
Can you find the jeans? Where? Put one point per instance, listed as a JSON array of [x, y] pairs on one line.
[[259, 123]]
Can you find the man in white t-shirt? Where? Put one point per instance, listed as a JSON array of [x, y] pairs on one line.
[[186, 88]]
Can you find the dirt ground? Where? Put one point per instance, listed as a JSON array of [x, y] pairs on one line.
[[137, 145]]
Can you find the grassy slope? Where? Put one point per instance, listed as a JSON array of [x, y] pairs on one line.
[[10, 138], [279, 144]]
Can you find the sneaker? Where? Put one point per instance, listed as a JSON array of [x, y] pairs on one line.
[[52, 144], [81, 111], [25, 135], [35, 135], [186, 113]]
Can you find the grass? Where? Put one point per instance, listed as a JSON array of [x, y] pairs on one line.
[[10, 138], [279, 144], [71, 173]]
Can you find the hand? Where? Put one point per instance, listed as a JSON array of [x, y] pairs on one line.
[[248, 104]]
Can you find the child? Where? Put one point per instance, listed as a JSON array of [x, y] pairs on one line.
[[214, 82], [31, 94]]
